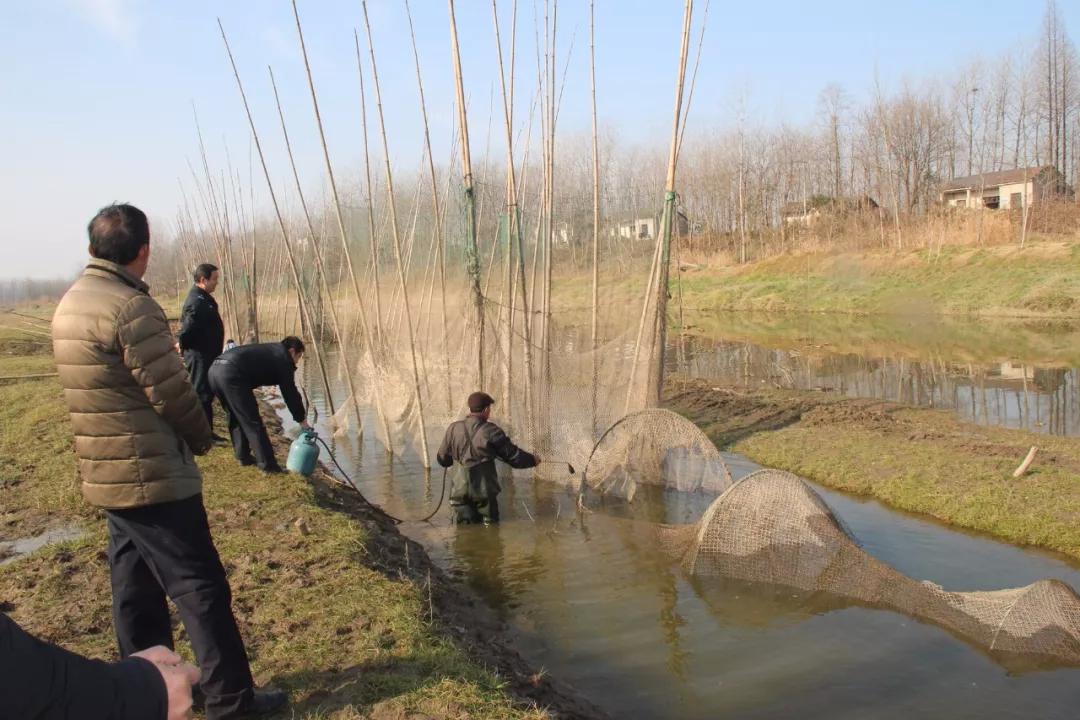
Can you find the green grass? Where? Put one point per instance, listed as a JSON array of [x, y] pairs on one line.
[[323, 614]]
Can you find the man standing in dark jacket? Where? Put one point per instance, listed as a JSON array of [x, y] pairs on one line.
[[46, 682], [474, 444], [202, 334], [234, 376]]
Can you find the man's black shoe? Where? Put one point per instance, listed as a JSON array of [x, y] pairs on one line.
[[264, 702], [217, 438], [273, 470]]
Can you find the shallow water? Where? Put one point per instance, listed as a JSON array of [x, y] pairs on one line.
[[1008, 374], [594, 600], [12, 550]]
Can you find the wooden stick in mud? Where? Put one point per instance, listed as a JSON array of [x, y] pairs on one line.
[[471, 249], [281, 226], [335, 326], [513, 228], [440, 259], [397, 244], [1027, 462], [365, 340], [214, 214], [593, 334], [377, 343]]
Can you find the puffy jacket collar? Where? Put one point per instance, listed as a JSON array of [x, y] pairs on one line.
[[104, 268]]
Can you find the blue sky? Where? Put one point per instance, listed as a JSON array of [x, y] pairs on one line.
[[96, 95]]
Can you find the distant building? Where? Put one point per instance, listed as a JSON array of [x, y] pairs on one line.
[[811, 211], [645, 228], [1005, 189]]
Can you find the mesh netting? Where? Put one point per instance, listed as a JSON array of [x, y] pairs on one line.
[[655, 447], [771, 527]]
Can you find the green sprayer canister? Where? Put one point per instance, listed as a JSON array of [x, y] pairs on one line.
[[303, 453]]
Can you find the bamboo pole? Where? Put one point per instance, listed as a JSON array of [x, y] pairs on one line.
[[281, 224], [513, 223], [214, 216], [669, 217], [378, 344], [335, 325], [439, 234], [397, 242], [342, 234], [593, 334], [471, 250]]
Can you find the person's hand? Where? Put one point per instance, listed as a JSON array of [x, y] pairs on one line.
[[305, 425], [176, 346], [537, 458], [178, 675]]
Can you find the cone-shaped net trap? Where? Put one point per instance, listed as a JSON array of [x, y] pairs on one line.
[[772, 528]]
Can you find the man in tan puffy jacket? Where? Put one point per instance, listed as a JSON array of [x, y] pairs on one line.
[[137, 425]]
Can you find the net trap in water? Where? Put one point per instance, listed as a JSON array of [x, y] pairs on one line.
[[773, 529]]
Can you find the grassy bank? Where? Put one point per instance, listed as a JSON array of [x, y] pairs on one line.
[[1039, 280], [923, 461], [335, 605]]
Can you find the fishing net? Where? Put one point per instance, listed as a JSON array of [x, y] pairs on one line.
[[772, 528], [655, 447]]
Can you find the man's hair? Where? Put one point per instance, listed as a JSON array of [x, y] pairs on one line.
[[204, 271], [293, 343], [118, 232], [478, 402]]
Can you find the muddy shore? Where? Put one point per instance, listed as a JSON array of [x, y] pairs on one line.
[[460, 615], [913, 459]]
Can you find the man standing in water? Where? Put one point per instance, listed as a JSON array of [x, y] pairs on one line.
[[137, 423], [201, 335], [233, 377], [474, 444]]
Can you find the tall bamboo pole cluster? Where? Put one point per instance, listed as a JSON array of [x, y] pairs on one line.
[[654, 304], [413, 348]]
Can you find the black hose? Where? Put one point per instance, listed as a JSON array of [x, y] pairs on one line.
[[352, 484]]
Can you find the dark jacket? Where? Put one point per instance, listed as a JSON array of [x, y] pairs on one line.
[[135, 416], [265, 364], [473, 442], [39, 681], [201, 328]]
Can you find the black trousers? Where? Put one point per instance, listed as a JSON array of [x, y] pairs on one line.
[[246, 429], [166, 550], [198, 367]]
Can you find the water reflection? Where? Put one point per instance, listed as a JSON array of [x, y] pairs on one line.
[[593, 598], [1006, 380]]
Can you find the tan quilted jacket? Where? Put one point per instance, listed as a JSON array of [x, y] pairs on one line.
[[135, 415]]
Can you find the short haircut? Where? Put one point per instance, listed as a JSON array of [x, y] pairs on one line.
[[478, 402], [204, 271], [293, 343], [118, 232]]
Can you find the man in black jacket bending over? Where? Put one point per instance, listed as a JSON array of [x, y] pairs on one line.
[[474, 444], [234, 376], [201, 335]]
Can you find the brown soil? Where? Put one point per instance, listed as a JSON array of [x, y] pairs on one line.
[[728, 415]]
